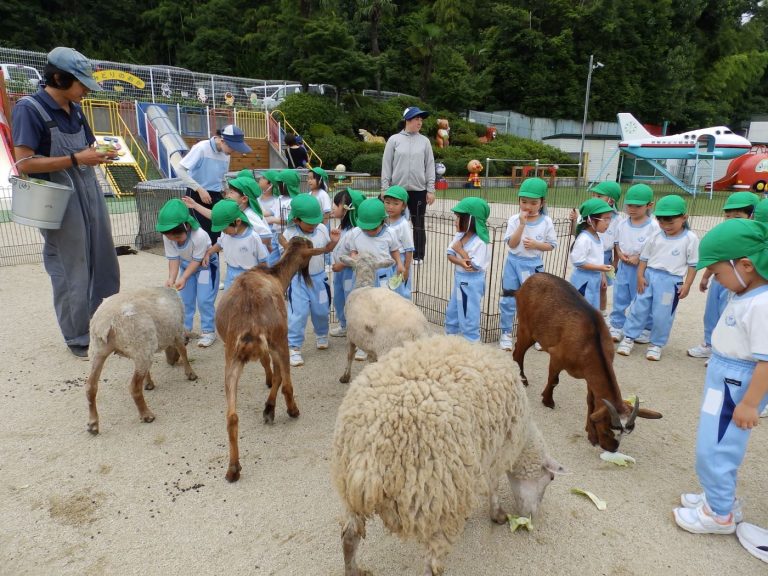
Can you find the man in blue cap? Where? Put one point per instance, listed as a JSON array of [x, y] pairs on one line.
[[53, 141]]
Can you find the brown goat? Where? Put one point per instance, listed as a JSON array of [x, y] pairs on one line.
[[252, 321], [553, 313]]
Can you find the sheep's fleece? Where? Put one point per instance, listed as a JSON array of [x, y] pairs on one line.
[[421, 433]]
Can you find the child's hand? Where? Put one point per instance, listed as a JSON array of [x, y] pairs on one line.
[[530, 243], [607, 268], [573, 215], [400, 269], [683, 292], [523, 216], [406, 273], [603, 282], [337, 266], [267, 213], [745, 416], [703, 284], [335, 234], [206, 259], [189, 202], [641, 284], [180, 283], [467, 263], [169, 283]]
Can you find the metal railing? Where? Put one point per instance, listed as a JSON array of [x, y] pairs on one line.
[[285, 126]]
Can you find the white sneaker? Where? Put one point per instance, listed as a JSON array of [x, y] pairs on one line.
[[625, 348], [653, 353], [417, 262], [295, 357], [644, 338], [700, 351], [221, 286], [338, 331], [701, 520], [754, 539], [505, 342], [361, 355], [206, 339], [764, 413], [616, 334], [694, 500], [321, 342], [537, 346]]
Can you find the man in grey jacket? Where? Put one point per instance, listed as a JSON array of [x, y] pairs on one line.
[[409, 162]]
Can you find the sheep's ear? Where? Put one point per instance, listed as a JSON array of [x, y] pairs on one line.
[[385, 263], [347, 260], [554, 466]]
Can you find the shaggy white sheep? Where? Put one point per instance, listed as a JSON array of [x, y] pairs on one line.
[[136, 325], [420, 434], [378, 319]]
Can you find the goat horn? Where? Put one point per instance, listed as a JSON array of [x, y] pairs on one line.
[[635, 410], [615, 420]]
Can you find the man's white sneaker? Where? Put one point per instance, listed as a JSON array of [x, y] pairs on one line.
[[206, 339], [644, 338], [701, 520], [295, 357], [625, 348], [754, 539], [616, 334], [338, 331], [700, 351], [321, 342], [653, 353], [361, 355], [694, 500], [505, 342]]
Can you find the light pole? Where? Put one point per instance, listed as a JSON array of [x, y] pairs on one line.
[[592, 66]]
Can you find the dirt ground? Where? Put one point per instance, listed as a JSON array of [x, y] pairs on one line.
[[151, 498]]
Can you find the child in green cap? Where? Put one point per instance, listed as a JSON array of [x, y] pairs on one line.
[[242, 248], [469, 254], [529, 234], [587, 250], [271, 204], [736, 386], [396, 204], [317, 180], [186, 244], [664, 277], [313, 298], [737, 205], [373, 235]]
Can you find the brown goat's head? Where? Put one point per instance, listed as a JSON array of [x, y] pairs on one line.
[[298, 252], [612, 425]]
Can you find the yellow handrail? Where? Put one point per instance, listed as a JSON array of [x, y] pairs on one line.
[[310, 151]]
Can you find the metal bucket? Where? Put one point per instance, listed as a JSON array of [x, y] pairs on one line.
[[39, 203]]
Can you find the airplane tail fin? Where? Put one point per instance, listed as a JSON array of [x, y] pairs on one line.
[[631, 128]]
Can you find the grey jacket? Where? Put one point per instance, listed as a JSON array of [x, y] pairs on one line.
[[408, 162]]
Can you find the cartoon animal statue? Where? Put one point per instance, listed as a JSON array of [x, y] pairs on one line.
[[440, 182], [490, 135], [443, 133], [368, 137], [473, 179]]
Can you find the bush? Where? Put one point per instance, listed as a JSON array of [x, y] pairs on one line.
[[302, 110], [370, 163], [336, 150], [317, 131]]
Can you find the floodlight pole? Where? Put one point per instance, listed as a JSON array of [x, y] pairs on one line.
[[592, 66]]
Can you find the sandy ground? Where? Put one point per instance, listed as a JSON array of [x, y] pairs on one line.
[[151, 498]]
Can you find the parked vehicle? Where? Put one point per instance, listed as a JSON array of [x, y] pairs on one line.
[[23, 78], [270, 96]]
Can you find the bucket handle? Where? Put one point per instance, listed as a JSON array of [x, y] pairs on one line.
[[10, 171]]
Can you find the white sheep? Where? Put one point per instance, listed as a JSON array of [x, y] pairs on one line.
[[425, 431], [378, 319], [136, 325]]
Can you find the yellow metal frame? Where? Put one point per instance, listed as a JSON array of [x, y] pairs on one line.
[[310, 151], [254, 124]]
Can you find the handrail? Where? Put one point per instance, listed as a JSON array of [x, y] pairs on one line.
[[310, 151]]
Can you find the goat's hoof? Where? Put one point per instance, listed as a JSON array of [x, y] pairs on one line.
[[147, 418], [344, 379], [294, 413], [499, 517], [269, 414], [93, 428], [548, 404], [233, 473], [524, 381], [149, 386], [191, 376], [268, 385]]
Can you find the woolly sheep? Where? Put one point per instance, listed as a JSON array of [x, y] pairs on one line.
[[420, 434], [136, 325], [378, 319]]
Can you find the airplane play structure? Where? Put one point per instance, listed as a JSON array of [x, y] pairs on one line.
[[713, 143]]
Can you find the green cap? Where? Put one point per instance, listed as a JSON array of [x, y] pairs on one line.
[[639, 194], [370, 214], [306, 208], [271, 176], [741, 200], [761, 211], [533, 188], [608, 188], [397, 192], [249, 188], [357, 198], [736, 238], [172, 214], [292, 181], [594, 206], [224, 213], [322, 173], [479, 210], [672, 205], [245, 173]]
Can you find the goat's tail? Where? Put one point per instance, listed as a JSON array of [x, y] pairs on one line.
[[251, 346]]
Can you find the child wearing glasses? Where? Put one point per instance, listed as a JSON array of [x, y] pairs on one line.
[[587, 251]]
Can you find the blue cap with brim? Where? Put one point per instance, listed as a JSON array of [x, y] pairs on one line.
[[412, 111], [70, 60], [235, 138]]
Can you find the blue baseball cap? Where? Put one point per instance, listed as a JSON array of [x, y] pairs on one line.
[[412, 111], [70, 60], [235, 138]]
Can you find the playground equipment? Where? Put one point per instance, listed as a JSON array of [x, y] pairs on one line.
[[545, 171], [747, 172]]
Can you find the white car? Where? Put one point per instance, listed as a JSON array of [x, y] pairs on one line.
[[15, 73]]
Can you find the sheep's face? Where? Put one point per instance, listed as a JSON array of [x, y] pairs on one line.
[[528, 488]]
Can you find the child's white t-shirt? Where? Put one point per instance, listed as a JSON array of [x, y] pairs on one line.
[[631, 238], [383, 244], [342, 246], [270, 207], [742, 331], [324, 199], [243, 251], [541, 229], [194, 248], [402, 231], [476, 249], [672, 254], [320, 239], [587, 250], [608, 238], [257, 223]]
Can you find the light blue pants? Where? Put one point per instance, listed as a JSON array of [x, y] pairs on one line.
[[304, 301], [720, 444], [343, 283], [405, 288], [232, 273], [717, 300], [517, 269], [382, 275], [463, 313], [659, 303], [201, 290], [274, 256], [587, 282], [624, 293], [608, 259]]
